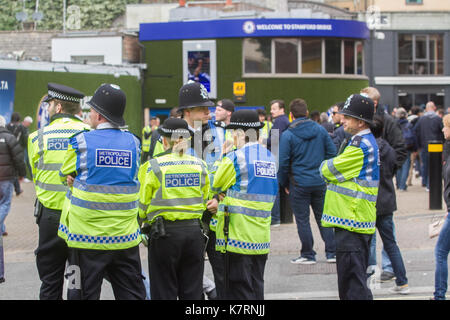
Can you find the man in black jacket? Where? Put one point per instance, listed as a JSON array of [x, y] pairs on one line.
[[11, 163], [392, 132]]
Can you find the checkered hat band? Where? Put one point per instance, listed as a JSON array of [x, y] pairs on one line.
[[246, 124], [180, 131], [63, 97]]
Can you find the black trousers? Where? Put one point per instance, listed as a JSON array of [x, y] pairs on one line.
[[245, 276], [176, 263], [352, 259], [87, 268], [216, 260], [51, 256]]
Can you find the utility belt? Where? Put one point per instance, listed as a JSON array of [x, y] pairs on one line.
[[158, 227]]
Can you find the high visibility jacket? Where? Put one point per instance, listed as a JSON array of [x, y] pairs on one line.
[[249, 178], [174, 187], [146, 137], [352, 188], [46, 150], [265, 130], [103, 207]]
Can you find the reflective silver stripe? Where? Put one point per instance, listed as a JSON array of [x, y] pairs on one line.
[[153, 214], [104, 205], [51, 187], [47, 166], [106, 189], [142, 206], [352, 193], [335, 171], [348, 222], [176, 202], [366, 183], [246, 211], [251, 197], [243, 169], [82, 149]]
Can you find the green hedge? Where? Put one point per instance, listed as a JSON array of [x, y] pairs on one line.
[[164, 79], [32, 85]]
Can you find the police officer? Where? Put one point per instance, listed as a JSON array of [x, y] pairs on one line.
[[46, 149], [352, 187], [100, 222], [151, 141], [248, 177], [206, 143], [172, 198]]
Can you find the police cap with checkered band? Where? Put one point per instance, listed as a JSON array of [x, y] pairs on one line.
[[193, 94], [245, 119], [174, 126], [63, 93]]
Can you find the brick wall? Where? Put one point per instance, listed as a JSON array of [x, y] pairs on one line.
[[131, 52], [36, 44]]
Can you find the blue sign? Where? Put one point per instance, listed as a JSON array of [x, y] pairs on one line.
[[264, 169], [240, 28], [182, 180], [113, 158], [57, 144], [7, 88]]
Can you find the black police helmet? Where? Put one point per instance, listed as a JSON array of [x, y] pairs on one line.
[[360, 107], [245, 119], [109, 100], [193, 94], [174, 126]]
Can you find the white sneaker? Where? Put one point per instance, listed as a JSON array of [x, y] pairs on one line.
[[331, 260], [302, 260], [400, 289], [26, 180]]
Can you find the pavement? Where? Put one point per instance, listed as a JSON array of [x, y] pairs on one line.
[[283, 280]]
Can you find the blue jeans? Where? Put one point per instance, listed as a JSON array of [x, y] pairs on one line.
[[2, 258], [441, 254], [386, 264], [403, 172], [385, 227], [301, 198], [6, 192], [276, 209], [424, 168]]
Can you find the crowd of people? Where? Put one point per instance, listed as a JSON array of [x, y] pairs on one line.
[[197, 186]]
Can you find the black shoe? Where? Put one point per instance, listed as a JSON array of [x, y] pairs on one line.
[[2, 280], [212, 295], [387, 276]]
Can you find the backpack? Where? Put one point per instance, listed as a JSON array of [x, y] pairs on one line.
[[408, 136]]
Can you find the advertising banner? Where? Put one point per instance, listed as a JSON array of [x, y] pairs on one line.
[[7, 88]]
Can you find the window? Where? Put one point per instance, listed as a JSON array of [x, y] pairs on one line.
[[420, 54], [87, 59], [308, 56], [414, 1], [286, 56], [257, 55]]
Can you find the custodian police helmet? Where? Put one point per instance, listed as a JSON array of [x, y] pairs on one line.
[[360, 107], [193, 94], [109, 101]]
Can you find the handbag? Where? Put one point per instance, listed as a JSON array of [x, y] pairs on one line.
[[435, 227]]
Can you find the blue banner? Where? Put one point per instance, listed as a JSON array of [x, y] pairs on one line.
[[249, 28], [7, 88]]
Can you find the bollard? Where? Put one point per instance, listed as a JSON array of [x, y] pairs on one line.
[[435, 149]]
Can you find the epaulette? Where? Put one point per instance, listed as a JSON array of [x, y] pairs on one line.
[[220, 124], [356, 141]]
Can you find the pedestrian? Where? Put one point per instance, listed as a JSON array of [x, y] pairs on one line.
[[325, 123], [351, 195], [264, 131], [340, 137], [151, 142], [172, 198], [26, 123], [47, 148], [100, 223], [442, 248], [392, 132], [386, 205], [303, 147], [280, 124], [247, 176], [21, 134], [206, 144], [428, 128], [11, 162], [416, 113], [224, 110], [411, 145]]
